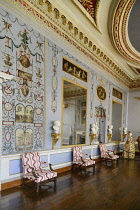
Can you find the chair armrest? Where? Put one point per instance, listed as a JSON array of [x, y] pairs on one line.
[[34, 174], [48, 164], [90, 157], [110, 150], [33, 171], [82, 159], [45, 163], [26, 166], [85, 154]]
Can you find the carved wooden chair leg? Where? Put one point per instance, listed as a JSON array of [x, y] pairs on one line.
[[85, 169], [72, 167], [55, 181], [23, 182], [38, 185]]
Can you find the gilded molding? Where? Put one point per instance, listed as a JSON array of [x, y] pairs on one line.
[[45, 15], [119, 32], [135, 69]]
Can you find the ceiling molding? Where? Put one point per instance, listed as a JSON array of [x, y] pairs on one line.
[[119, 31], [135, 69]]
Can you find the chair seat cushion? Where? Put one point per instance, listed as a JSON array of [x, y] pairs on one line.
[[111, 156], [86, 163], [41, 174]]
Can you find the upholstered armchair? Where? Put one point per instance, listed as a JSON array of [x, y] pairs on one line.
[[79, 159], [32, 169], [107, 155]]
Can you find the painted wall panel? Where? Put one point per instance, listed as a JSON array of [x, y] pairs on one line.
[[15, 166], [87, 151], [96, 151], [44, 158], [22, 55], [60, 158]]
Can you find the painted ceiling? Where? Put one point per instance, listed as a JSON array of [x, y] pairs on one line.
[[89, 6], [134, 26]]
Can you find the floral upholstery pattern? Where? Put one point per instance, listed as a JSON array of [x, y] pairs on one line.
[[107, 154], [78, 157], [32, 168]]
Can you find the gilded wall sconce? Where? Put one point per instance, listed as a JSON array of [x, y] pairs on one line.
[[94, 130], [56, 135], [109, 137], [124, 133], [55, 138], [92, 137], [109, 130], [124, 136]]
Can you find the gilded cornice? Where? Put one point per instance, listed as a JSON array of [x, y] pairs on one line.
[[51, 19], [119, 31], [135, 69]]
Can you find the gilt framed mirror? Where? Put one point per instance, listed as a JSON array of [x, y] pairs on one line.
[[74, 114], [116, 120]]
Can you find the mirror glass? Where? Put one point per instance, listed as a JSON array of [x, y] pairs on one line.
[[74, 114], [116, 120], [100, 114]]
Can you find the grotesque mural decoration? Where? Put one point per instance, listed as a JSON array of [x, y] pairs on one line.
[[22, 55]]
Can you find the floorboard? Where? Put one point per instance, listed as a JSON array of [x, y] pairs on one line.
[[110, 187]]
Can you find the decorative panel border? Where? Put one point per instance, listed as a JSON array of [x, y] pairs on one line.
[[118, 94], [74, 70]]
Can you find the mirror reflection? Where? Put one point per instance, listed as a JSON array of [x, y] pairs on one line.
[[100, 114], [116, 120], [74, 114]]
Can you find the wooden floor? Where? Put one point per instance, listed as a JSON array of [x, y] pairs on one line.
[[109, 187]]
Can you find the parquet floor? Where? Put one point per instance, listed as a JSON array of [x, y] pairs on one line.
[[109, 187]]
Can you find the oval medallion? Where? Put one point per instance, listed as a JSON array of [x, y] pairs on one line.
[[8, 136], [24, 60], [8, 106], [38, 111]]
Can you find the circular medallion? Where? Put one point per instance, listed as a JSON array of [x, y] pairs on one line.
[[8, 106], [24, 60], [38, 111], [8, 89], [101, 93]]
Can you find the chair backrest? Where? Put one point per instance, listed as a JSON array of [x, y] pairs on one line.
[[31, 160], [103, 149], [77, 154]]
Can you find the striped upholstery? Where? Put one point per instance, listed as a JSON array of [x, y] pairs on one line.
[[107, 154], [32, 160], [77, 154]]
